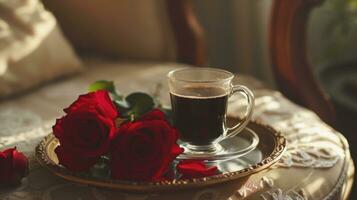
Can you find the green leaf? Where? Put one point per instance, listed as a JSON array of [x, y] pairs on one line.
[[105, 85], [140, 103], [102, 85], [122, 104]]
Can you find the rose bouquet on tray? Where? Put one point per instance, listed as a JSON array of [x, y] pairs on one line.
[[125, 137]]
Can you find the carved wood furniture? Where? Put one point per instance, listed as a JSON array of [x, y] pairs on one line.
[[291, 67], [189, 35]]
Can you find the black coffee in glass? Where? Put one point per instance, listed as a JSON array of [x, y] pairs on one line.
[[199, 113], [199, 98]]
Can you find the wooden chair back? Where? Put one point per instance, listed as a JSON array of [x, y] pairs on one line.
[[288, 47], [189, 35]]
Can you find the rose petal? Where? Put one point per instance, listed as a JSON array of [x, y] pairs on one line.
[[195, 169], [13, 166], [100, 99], [74, 162], [154, 114], [176, 150], [159, 141], [57, 128], [6, 172], [20, 163], [87, 140], [106, 107]]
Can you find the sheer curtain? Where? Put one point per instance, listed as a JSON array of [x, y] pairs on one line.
[[237, 35]]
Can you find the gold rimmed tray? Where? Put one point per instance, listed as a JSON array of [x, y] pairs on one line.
[[269, 150]]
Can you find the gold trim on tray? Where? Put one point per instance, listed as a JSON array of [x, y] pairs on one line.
[[272, 145]]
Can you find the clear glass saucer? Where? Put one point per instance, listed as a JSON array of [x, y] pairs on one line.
[[230, 148]]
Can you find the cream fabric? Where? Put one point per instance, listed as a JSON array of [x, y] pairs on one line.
[[126, 29], [316, 165], [32, 48], [23, 25]]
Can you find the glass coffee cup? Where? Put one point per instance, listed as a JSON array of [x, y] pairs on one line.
[[199, 100]]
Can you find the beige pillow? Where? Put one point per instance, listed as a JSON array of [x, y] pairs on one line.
[[32, 48], [125, 29]]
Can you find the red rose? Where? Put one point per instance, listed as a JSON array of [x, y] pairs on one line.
[[144, 149], [13, 166], [195, 169], [86, 132]]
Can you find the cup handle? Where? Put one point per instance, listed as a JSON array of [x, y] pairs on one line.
[[233, 131]]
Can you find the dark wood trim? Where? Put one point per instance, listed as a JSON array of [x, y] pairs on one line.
[[189, 35], [292, 70]]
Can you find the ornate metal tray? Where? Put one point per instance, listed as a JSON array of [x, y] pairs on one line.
[[269, 150]]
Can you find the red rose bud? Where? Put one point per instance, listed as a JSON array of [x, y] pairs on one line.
[[86, 132], [13, 167], [144, 149], [195, 169]]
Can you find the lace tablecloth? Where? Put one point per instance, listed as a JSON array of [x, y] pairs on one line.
[[317, 164]]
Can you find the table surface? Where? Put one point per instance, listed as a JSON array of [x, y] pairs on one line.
[[316, 165]]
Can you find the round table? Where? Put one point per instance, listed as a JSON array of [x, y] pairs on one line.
[[316, 165]]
